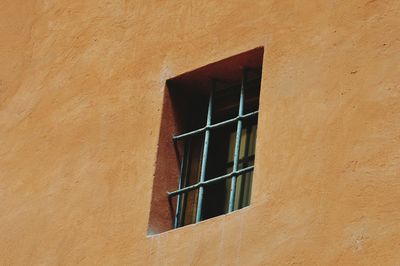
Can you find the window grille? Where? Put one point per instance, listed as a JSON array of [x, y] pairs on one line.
[[239, 168]]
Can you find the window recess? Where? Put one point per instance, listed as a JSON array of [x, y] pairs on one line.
[[212, 126]]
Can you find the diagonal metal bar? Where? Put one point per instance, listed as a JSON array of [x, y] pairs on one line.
[[210, 181], [217, 125], [178, 209], [171, 210], [237, 144], [245, 162]]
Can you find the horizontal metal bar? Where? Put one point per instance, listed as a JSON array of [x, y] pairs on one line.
[[204, 183], [220, 124]]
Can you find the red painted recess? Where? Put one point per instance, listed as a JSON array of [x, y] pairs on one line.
[[227, 71]]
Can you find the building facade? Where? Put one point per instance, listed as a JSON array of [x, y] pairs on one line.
[[82, 85]]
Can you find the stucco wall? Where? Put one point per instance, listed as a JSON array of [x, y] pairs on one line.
[[81, 89]]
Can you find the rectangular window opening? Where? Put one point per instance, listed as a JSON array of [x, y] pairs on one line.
[[209, 127]]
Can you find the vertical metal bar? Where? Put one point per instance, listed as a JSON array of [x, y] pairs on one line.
[[205, 155], [237, 144], [245, 163], [178, 210]]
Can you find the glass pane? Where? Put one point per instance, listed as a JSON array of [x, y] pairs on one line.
[[252, 94], [226, 103], [221, 149], [192, 175], [243, 190], [194, 160], [246, 159], [216, 195], [189, 207]]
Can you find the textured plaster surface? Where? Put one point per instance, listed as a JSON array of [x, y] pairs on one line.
[[81, 89]]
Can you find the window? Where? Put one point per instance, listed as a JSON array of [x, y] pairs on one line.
[[210, 117]]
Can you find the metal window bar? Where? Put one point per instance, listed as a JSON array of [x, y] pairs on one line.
[[235, 172], [205, 155], [217, 125], [184, 165], [210, 181], [237, 144]]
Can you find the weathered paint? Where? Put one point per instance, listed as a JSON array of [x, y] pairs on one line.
[[81, 91]]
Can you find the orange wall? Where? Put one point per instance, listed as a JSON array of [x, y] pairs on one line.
[[81, 89]]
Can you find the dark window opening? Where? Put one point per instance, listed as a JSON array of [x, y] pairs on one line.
[[220, 155], [211, 125]]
